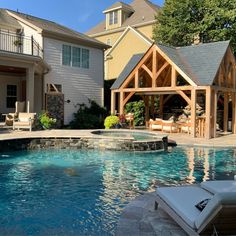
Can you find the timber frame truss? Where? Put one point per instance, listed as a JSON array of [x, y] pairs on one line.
[[156, 74]]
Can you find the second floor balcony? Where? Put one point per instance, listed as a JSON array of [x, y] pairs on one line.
[[16, 43]]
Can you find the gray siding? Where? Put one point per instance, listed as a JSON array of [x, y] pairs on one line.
[[78, 84]]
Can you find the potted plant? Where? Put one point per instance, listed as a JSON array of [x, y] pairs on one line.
[[111, 122], [45, 121]]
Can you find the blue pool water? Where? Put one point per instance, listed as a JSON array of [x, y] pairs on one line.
[[69, 192]]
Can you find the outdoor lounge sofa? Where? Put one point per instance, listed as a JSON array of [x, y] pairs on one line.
[[217, 218], [24, 121], [163, 125]]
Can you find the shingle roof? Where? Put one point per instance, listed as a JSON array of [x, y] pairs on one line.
[[199, 62], [7, 20], [121, 5], [127, 70], [144, 11], [52, 27]]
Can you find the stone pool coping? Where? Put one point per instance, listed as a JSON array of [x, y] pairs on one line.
[[79, 139]]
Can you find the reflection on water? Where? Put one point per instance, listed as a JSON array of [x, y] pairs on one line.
[[43, 192], [202, 155]]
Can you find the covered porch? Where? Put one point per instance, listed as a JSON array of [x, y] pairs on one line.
[[195, 76], [21, 79]]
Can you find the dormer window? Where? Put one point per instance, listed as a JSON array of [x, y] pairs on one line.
[[113, 17]]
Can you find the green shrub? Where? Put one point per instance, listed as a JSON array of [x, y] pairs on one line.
[[111, 121], [45, 121], [138, 109], [89, 117]]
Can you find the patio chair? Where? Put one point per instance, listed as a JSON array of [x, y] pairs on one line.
[[130, 118], [19, 107], [24, 121], [217, 218], [169, 126], [155, 124]]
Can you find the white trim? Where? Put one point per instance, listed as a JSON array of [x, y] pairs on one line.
[[127, 9], [25, 21], [112, 9], [121, 29], [129, 28]]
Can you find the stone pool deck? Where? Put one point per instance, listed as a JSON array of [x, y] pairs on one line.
[[139, 218]]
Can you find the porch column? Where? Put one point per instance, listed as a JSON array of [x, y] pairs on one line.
[[208, 113], [193, 112], [113, 102], [214, 112], [121, 110], [226, 110], [30, 87]]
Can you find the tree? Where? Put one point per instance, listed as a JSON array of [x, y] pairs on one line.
[[179, 23]]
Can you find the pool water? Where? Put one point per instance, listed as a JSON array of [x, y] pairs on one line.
[[71, 192], [128, 134]]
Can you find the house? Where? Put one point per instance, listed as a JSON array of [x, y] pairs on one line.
[[128, 29], [202, 74], [49, 65]]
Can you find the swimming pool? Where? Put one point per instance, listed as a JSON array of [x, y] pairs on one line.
[[78, 192]]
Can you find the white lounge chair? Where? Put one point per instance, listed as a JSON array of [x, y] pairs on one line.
[[19, 107], [219, 215], [24, 121]]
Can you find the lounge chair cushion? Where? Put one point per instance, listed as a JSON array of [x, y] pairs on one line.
[[218, 186], [215, 205], [183, 200]]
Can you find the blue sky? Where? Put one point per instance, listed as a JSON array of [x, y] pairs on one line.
[[80, 15]]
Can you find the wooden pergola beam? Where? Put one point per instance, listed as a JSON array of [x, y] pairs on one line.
[[193, 112], [208, 113], [226, 111], [184, 96]]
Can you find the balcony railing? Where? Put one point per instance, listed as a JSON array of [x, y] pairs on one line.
[[11, 42]]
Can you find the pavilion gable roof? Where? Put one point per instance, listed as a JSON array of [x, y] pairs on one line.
[[199, 62]]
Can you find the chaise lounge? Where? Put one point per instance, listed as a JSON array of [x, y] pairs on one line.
[[217, 218]]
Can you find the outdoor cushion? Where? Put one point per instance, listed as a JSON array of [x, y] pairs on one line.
[[218, 186], [169, 126], [215, 205], [183, 200]]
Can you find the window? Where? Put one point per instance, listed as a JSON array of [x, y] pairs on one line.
[[113, 17], [66, 55], [109, 42], [85, 58], [75, 57], [11, 96]]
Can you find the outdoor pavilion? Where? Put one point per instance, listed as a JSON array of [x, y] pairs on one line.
[[192, 72]]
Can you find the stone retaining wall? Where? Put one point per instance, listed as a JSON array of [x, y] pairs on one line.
[[82, 143]]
